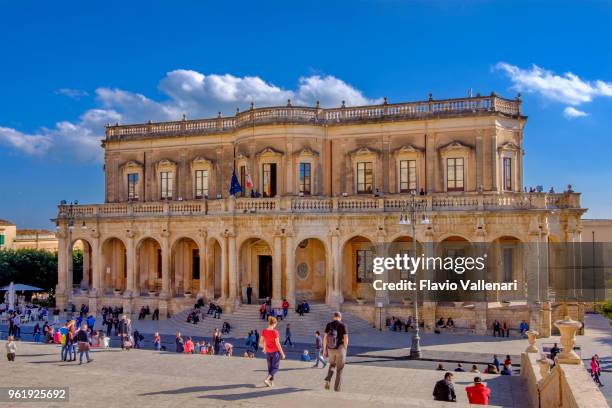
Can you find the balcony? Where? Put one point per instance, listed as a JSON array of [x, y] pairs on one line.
[[316, 116], [438, 202]]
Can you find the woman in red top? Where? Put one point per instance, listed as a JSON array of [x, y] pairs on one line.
[[270, 342], [189, 346], [478, 393]]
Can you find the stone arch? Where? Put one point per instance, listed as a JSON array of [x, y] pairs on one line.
[[358, 253], [148, 268], [403, 245], [214, 268], [114, 266], [81, 264], [184, 266], [311, 270], [255, 267], [506, 263]]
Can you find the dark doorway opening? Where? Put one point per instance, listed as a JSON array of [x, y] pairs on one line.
[[269, 179], [265, 276]]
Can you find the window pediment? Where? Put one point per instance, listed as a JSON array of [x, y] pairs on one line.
[[269, 152], [407, 150], [166, 165], [509, 146], [242, 157], [455, 146], [131, 165], [201, 162], [364, 151], [306, 152]]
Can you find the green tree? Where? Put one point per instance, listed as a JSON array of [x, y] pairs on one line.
[[29, 266]]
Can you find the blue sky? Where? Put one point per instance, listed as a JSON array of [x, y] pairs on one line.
[[67, 68]]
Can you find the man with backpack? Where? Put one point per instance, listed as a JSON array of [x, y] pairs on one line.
[[335, 344]]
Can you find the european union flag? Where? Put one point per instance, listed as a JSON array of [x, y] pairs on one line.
[[235, 186]]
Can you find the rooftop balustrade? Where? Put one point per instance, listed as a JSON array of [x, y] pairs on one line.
[[438, 202], [318, 116]]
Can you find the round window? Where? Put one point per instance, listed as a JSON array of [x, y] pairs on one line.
[[302, 270]]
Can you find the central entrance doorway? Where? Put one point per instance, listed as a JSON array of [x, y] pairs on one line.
[[265, 276]]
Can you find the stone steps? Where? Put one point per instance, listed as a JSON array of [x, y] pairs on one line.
[[246, 318]]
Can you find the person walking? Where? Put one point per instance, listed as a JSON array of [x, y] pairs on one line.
[[270, 343], [11, 348], [216, 341], [124, 329], [478, 393], [596, 370], [444, 390], [335, 345], [318, 349], [288, 335], [82, 338], [249, 293]]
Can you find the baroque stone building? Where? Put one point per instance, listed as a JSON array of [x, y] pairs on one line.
[[329, 187]]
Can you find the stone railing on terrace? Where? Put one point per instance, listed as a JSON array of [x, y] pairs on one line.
[[351, 204], [318, 116]]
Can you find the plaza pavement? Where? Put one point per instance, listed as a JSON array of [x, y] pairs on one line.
[[387, 350], [148, 378]]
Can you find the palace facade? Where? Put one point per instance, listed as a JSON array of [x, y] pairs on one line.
[[329, 190]]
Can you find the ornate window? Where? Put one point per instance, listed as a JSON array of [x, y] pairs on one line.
[[408, 161], [508, 159], [305, 179], [132, 174], [455, 163], [132, 186], [507, 173], [454, 174], [364, 161], [166, 174], [166, 182], [363, 265], [270, 176], [408, 177], [202, 173], [365, 177]]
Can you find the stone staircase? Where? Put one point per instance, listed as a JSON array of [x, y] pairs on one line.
[[246, 317]]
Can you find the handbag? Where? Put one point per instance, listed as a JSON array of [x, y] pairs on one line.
[[83, 346]]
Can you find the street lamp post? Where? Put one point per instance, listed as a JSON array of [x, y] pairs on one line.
[[410, 213]]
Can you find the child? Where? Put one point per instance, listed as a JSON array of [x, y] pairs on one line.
[[305, 356], [11, 348]]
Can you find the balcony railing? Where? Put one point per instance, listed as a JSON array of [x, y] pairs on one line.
[[351, 204], [318, 116]]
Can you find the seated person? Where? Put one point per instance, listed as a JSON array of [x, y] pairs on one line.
[[450, 322], [305, 356], [306, 307], [225, 328], [440, 323], [507, 370]]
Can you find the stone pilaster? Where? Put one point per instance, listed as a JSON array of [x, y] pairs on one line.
[[202, 245], [290, 269], [277, 270]]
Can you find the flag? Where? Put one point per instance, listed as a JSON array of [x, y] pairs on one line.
[[235, 185], [248, 182]]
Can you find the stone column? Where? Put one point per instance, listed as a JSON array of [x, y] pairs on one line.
[[335, 296], [130, 286], [233, 269], [68, 262], [277, 270], [480, 317], [61, 294], [382, 296], [94, 289], [165, 269], [203, 265], [86, 260], [290, 269], [224, 268]]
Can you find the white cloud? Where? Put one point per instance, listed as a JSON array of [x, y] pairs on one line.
[[185, 91], [568, 88], [35, 144], [573, 113], [72, 93]]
